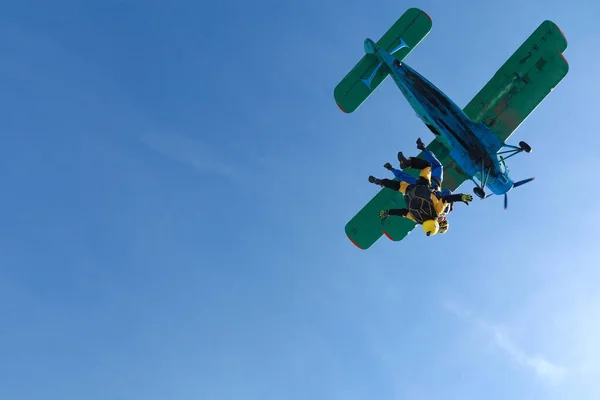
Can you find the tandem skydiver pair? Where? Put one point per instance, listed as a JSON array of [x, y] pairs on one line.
[[427, 204]]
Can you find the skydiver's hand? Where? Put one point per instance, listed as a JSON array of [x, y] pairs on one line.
[[466, 198], [384, 214]]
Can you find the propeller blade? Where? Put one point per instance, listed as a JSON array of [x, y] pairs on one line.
[[505, 201], [524, 181]]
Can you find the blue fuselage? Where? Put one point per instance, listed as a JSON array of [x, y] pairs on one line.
[[473, 145]]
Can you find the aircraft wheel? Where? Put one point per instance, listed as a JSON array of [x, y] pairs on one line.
[[525, 147], [479, 192]]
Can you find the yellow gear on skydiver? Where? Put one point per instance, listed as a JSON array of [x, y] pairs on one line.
[[431, 227]]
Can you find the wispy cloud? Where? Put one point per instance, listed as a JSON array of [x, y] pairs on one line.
[[191, 152], [550, 372]]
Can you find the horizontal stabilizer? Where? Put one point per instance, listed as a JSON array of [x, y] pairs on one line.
[[367, 74]]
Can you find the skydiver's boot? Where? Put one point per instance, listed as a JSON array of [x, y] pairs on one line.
[[374, 180], [404, 163], [420, 144], [388, 183], [387, 165]]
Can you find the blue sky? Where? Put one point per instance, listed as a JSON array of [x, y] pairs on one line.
[[176, 180]]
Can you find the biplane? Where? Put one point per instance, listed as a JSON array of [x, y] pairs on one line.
[[471, 142]]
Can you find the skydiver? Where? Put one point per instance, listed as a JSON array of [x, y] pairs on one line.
[[437, 173], [424, 205]]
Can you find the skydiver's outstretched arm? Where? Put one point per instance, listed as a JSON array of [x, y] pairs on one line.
[[398, 212], [452, 198]]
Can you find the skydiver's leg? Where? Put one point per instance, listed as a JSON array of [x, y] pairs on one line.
[[397, 186], [417, 163], [404, 163], [437, 169], [400, 175], [425, 173], [413, 162], [403, 176], [424, 166]]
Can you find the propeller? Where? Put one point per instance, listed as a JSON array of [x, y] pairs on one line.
[[524, 181], [517, 184]]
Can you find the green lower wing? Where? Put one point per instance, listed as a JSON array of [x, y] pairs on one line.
[[412, 26], [522, 83], [366, 227]]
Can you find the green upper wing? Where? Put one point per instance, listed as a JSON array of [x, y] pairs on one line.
[[412, 26], [522, 83], [366, 227]]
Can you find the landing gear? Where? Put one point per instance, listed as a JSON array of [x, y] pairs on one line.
[[513, 150], [485, 174], [525, 147], [479, 192]]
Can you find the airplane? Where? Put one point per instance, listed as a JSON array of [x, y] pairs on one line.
[[471, 142]]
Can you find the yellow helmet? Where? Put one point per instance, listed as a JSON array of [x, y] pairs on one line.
[[431, 227]]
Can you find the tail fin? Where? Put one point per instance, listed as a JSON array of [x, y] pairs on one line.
[[353, 90]]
